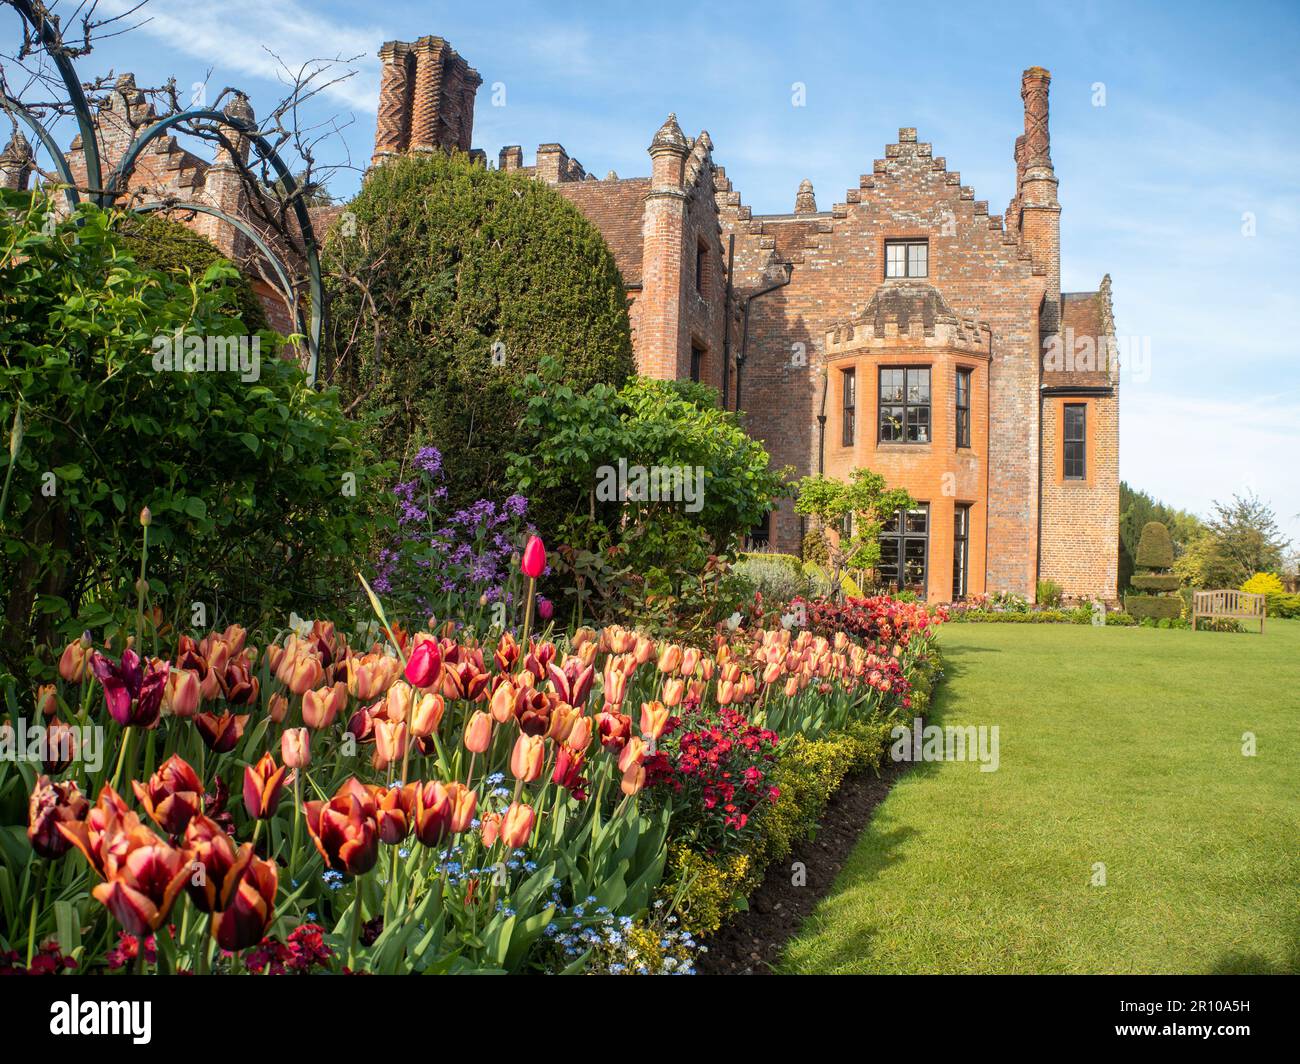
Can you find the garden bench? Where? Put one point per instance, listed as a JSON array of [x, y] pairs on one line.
[[1237, 605]]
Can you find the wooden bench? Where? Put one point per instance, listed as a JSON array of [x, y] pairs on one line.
[[1235, 605]]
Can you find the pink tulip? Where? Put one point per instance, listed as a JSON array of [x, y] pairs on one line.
[[534, 561]]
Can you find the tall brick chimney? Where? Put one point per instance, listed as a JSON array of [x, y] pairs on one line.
[[426, 98], [1037, 205], [659, 326], [805, 202], [223, 186]]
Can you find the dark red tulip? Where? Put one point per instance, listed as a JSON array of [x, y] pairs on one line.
[[247, 902], [263, 783], [52, 804], [345, 829], [132, 691], [172, 796], [220, 733]]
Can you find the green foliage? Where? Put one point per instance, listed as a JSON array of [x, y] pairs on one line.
[[865, 500], [573, 447], [158, 243], [1048, 593], [1282, 605], [245, 480], [1155, 548], [1155, 607], [1137, 508], [772, 577], [1247, 538], [814, 547], [448, 284], [1156, 581]]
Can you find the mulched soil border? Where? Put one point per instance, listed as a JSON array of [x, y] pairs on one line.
[[752, 941]]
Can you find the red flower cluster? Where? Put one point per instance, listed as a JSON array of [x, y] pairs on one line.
[[720, 766], [878, 619], [48, 960], [304, 951]]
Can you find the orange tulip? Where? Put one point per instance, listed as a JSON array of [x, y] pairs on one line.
[[263, 783], [654, 719], [563, 717], [306, 674], [490, 828], [94, 834], [517, 825], [643, 650], [183, 693], [212, 857], [143, 876], [390, 742], [277, 708], [633, 753], [47, 700], [580, 734], [74, 662], [317, 709], [527, 756], [478, 732], [428, 715], [464, 802], [673, 692], [727, 692], [633, 779], [503, 702], [670, 658], [397, 701], [690, 659], [295, 747]]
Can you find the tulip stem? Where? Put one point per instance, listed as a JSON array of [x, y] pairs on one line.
[[121, 756], [297, 818], [354, 935], [528, 615], [37, 871]]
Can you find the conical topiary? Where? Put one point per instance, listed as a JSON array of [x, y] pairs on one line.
[[1155, 557]]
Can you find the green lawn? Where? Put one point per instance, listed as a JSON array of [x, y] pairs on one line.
[[1117, 745]]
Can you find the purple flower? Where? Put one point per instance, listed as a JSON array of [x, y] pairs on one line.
[[132, 692]]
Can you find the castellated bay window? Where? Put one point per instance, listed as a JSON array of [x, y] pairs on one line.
[[905, 405], [1074, 452], [907, 258], [849, 388], [963, 407]]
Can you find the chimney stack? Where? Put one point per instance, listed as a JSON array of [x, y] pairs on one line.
[[1036, 203], [426, 98]]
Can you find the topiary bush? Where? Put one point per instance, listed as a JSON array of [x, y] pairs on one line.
[[448, 283], [1155, 556]]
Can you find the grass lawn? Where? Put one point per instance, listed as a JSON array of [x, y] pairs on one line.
[[1117, 745]]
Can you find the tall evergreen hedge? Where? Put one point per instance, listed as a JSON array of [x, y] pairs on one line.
[[448, 282]]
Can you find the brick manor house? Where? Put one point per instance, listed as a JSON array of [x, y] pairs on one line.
[[906, 329]]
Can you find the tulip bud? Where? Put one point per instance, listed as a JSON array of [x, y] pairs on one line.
[[673, 691], [146, 518], [643, 650], [424, 664], [690, 659], [74, 662], [670, 658], [517, 825], [317, 709], [580, 734], [295, 747], [390, 742], [534, 560], [633, 779], [490, 828], [263, 783], [478, 732], [305, 674], [654, 718], [183, 693], [526, 758], [47, 701], [464, 802], [278, 708], [633, 753], [427, 715], [503, 702]]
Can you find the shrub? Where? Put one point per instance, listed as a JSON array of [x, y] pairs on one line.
[[258, 489], [771, 576], [1264, 584], [1153, 606], [1155, 556], [814, 547], [1155, 548], [1048, 593], [1282, 605], [454, 283], [158, 243]]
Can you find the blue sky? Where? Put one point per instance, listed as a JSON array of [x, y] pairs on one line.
[[1199, 136]]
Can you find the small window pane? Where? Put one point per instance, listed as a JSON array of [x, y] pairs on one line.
[[918, 520], [917, 260], [891, 385]]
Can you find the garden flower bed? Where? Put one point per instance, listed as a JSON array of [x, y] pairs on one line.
[[429, 801]]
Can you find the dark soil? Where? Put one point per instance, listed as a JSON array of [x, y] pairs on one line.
[[751, 943]]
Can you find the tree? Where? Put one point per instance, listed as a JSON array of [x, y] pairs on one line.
[[246, 471], [1136, 510], [1155, 557], [864, 503], [448, 284], [1247, 537]]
